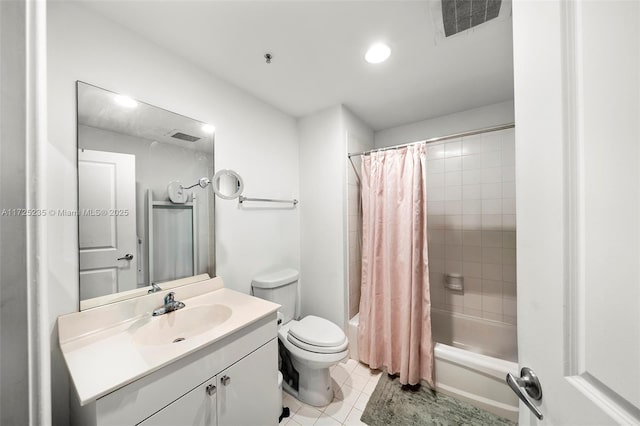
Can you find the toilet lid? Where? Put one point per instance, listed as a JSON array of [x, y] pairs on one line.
[[317, 331], [318, 349]]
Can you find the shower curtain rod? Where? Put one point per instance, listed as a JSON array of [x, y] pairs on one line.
[[439, 138]]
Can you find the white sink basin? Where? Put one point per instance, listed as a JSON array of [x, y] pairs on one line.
[[180, 325]]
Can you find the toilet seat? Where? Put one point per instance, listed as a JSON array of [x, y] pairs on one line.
[[316, 331], [317, 349], [314, 358]]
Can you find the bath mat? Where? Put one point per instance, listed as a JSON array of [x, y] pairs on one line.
[[394, 404]]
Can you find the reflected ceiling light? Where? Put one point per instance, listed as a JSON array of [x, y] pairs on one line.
[[208, 128], [377, 53], [126, 101]]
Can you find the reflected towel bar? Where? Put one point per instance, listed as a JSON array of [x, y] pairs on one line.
[[242, 199]]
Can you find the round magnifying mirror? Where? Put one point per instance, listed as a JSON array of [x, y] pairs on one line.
[[227, 184]]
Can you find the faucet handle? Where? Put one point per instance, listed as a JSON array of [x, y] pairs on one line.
[[169, 298]]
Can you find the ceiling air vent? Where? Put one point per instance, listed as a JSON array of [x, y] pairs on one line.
[[461, 15], [184, 137]]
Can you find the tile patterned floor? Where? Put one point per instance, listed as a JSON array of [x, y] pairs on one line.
[[353, 384]]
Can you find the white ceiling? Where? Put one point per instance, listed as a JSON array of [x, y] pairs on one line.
[[318, 49]]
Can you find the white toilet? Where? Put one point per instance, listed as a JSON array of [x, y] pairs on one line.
[[313, 344]]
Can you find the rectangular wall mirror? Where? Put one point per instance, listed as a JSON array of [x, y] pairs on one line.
[[131, 232]]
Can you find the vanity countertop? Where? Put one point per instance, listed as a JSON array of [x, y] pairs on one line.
[[103, 351]]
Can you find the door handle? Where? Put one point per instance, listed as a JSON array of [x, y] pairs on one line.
[[529, 381], [211, 390], [126, 257]]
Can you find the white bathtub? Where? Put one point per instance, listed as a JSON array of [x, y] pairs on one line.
[[462, 373]]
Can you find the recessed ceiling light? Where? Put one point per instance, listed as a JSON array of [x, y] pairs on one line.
[[208, 128], [377, 53], [126, 101]]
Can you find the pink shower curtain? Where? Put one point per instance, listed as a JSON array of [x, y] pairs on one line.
[[394, 331]]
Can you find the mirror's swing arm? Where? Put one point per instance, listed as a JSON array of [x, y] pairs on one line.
[[242, 199]]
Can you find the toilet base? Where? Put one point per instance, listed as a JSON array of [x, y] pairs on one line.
[[314, 385]]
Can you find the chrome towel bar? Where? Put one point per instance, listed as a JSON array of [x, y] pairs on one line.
[[242, 199]]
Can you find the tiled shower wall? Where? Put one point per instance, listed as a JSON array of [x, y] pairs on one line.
[[471, 224], [355, 223]]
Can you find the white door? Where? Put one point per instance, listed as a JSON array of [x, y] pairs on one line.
[[107, 218], [577, 98]]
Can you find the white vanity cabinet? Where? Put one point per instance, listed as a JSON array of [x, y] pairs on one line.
[[230, 382]]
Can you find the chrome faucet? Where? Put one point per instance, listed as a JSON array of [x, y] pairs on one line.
[[170, 305], [154, 288]]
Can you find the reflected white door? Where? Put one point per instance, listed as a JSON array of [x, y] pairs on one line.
[[577, 98], [107, 185]]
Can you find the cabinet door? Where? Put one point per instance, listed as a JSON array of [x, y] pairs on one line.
[[195, 408], [248, 390]]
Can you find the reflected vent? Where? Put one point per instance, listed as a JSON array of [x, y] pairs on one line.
[[460, 15], [185, 137]]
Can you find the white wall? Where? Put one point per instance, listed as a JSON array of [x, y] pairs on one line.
[[252, 138], [322, 200], [324, 213], [473, 119], [14, 396]]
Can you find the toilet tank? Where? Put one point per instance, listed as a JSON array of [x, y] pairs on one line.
[[279, 287]]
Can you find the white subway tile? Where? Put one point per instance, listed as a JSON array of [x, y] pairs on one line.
[[491, 238], [471, 144], [472, 301], [453, 237], [435, 166], [490, 206], [509, 256], [509, 222], [435, 236], [453, 178], [472, 207], [508, 174], [455, 299], [472, 253], [453, 149], [453, 222], [435, 151], [471, 238], [491, 255], [453, 164], [435, 194], [452, 253], [509, 156], [453, 193], [436, 265], [471, 192], [492, 175], [435, 180], [471, 162], [436, 221], [509, 239], [435, 207], [509, 189], [472, 221], [509, 206], [491, 222], [509, 273], [491, 142], [491, 271], [471, 270], [452, 267], [491, 190], [472, 177], [491, 159]]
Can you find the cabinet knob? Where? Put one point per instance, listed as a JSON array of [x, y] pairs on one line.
[[211, 390], [225, 380]]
